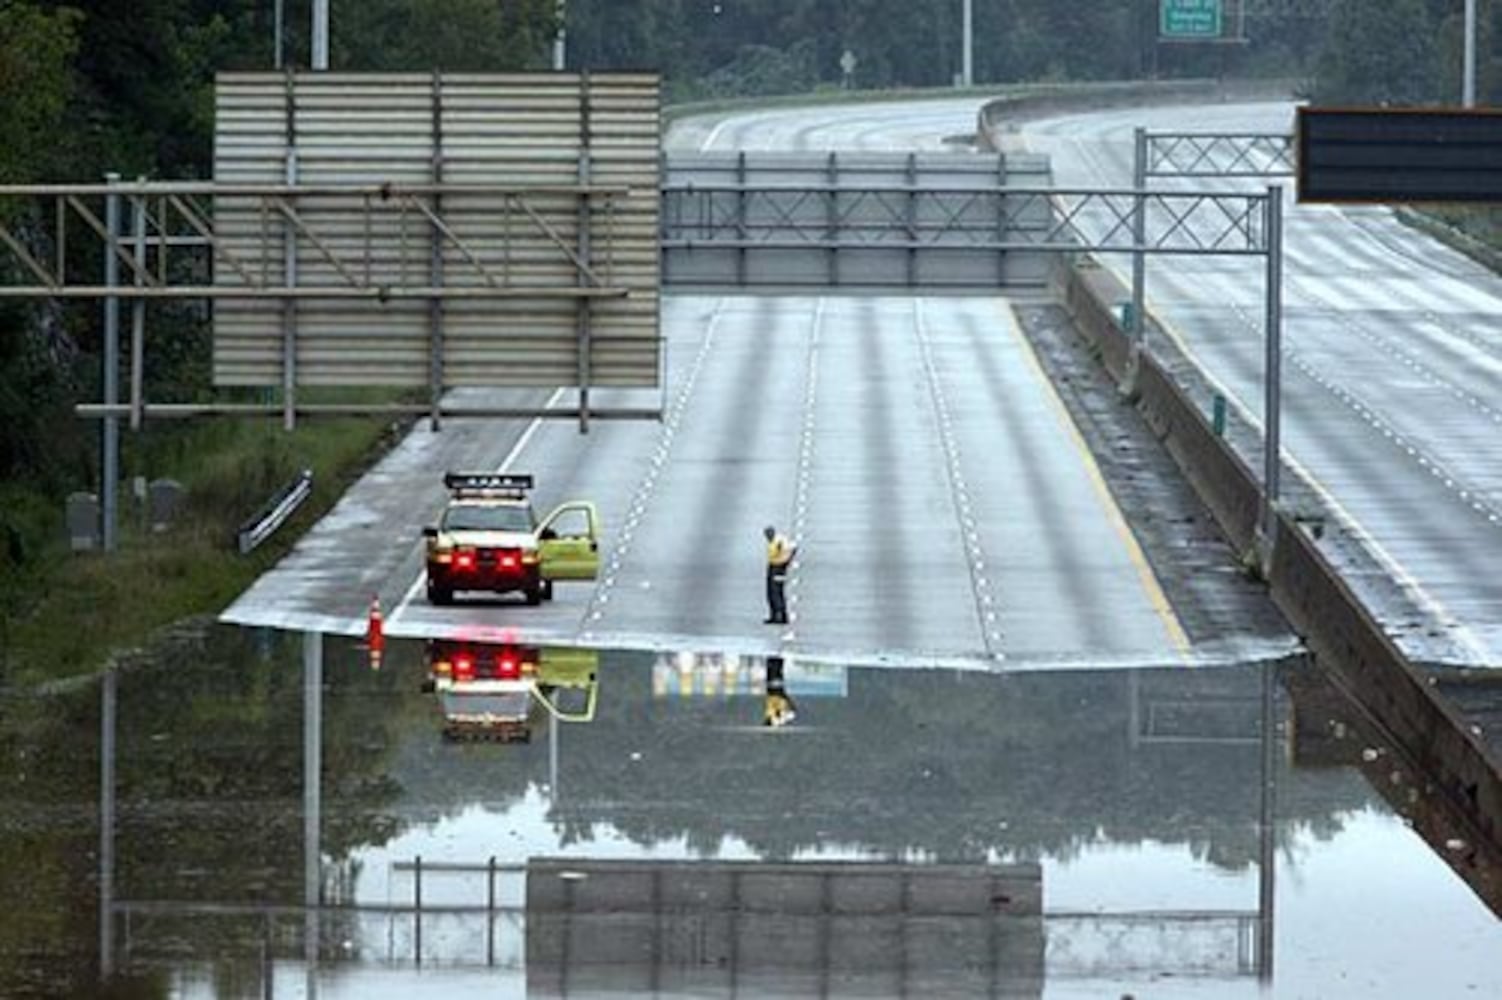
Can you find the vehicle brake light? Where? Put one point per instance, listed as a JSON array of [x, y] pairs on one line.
[[510, 666], [464, 559], [508, 561], [464, 667]]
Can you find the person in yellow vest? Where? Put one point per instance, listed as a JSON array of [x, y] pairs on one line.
[[777, 707], [780, 553]]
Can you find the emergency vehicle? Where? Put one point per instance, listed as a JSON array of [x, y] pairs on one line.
[[489, 539], [490, 691]]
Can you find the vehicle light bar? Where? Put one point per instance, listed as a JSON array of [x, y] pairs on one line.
[[487, 482]]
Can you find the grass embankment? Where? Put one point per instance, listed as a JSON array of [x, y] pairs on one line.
[[63, 614], [1473, 230]]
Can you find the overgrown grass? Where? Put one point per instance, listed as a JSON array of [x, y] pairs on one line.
[[62, 614]]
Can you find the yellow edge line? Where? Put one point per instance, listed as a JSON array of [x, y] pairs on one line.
[[1145, 575]]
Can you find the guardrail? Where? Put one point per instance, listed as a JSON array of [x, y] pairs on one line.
[[263, 524], [1304, 584]]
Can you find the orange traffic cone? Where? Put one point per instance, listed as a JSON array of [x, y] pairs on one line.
[[375, 634]]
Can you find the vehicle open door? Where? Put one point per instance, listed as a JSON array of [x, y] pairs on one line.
[[569, 542]]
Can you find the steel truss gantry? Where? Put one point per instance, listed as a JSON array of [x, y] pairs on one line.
[[176, 251], [991, 218], [1228, 156]]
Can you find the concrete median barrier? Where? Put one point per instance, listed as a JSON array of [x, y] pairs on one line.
[[1319, 604]]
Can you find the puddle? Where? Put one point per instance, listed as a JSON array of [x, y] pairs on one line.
[[525, 821]]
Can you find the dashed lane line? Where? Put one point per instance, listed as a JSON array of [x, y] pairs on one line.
[[805, 469], [987, 601], [641, 499]]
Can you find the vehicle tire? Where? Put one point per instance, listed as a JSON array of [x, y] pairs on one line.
[[440, 597], [547, 590], [534, 594]]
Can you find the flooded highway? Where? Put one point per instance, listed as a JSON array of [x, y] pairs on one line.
[[502, 820]]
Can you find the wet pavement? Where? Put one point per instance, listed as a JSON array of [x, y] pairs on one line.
[[513, 821]]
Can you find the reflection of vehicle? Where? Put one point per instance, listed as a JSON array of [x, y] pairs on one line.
[[489, 539], [491, 691]]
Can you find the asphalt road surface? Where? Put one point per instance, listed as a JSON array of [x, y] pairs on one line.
[[946, 506], [1392, 369]]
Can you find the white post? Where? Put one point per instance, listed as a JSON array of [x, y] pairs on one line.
[[560, 48], [967, 74], [320, 34], [1468, 85]]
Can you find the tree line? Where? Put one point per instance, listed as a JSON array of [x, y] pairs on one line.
[[96, 85]]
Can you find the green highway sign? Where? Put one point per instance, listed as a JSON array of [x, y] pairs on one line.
[[1189, 19]]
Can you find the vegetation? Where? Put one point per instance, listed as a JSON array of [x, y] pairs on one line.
[[97, 85]]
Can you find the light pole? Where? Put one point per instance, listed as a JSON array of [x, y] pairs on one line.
[[560, 48], [276, 31], [320, 34], [967, 58], [1468, 85]]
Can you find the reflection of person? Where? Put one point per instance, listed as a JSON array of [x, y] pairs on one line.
[[780, 553], [777, 707]]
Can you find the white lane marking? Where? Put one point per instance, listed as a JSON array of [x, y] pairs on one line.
[[959, 492], [505, 466], [1427, 602], [805, 465], [714, 134], [641, 500]]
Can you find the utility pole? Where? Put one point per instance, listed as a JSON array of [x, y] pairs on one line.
[[277, 33], [560, 49], [320, 34], [967, 74], [1468, 85]]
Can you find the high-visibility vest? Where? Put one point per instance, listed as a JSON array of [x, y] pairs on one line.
[[779, 552]]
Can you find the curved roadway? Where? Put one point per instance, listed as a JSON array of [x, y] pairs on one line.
[[1392, 371], [947, 506]]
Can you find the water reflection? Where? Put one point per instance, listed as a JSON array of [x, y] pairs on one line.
[[286, 822], [498, 690], [585, 922]]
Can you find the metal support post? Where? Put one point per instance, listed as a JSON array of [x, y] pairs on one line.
[[490, 913], [1468, 84], [741, 232], [435, 265], [289, 268], [1272, 417], [832, 217], [107, 711], [967, 58], [1267, 827], [553, 727], [312, 742], [277, 32], [138, 314], [417, 909], [320, 34], [586, 170], [560, 40], [912, 219], [1137, 322], [109, 472]]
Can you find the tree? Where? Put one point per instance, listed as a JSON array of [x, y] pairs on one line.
[[1381, 54]]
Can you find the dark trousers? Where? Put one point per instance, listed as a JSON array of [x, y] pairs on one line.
[[777, 606]]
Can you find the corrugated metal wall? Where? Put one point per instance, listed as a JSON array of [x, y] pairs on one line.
[[495, 130]]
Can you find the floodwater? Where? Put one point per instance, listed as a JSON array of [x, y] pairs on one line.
[[630, 825]]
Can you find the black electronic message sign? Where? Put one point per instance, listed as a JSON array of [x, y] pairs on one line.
[[1382, 155]]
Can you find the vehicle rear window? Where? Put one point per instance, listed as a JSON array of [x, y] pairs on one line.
[[487, 518]]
